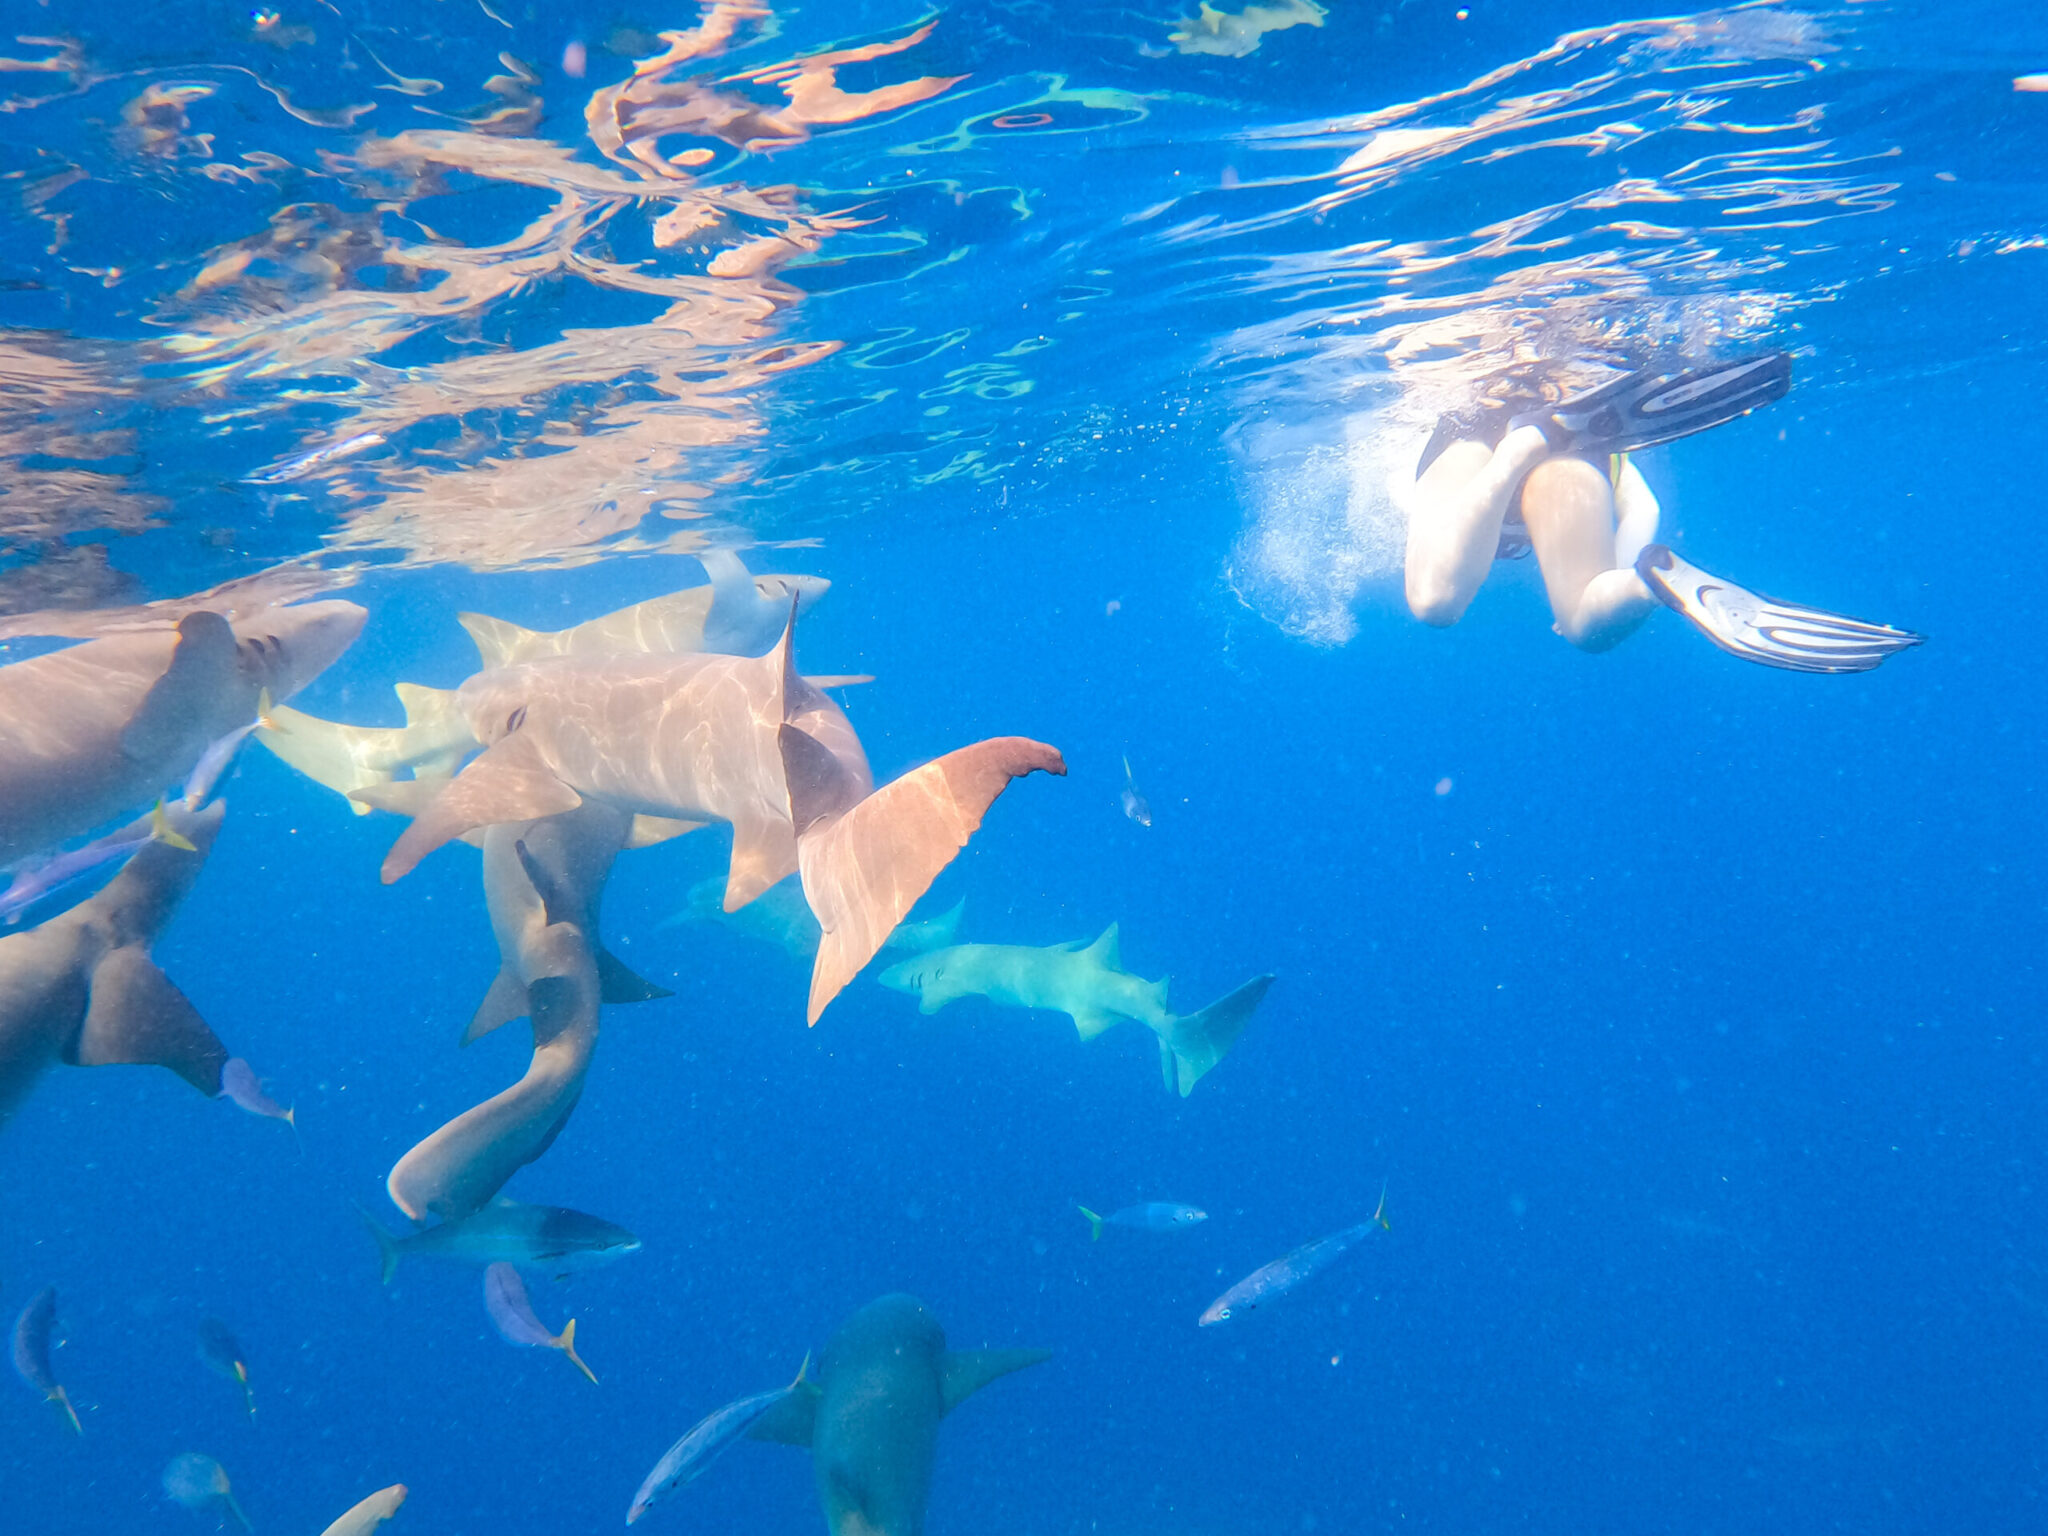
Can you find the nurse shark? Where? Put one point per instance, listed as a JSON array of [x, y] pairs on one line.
[[700, 737], [871, 1422], [542, 883], [100, 729], [1087, 983]]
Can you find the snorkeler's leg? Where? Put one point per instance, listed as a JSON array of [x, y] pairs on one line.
[[1570, 509], [1636, 513], [1454, 520]]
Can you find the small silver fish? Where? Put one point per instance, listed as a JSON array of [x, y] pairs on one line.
[[31, 885], [213, 762], [32, 1332], [240, 1084], [1284, 1274], [1153, 1216], [1134, 803], [688, 1457], [301, 465], [511, 1310]]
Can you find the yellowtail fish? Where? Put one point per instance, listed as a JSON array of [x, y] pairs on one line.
[[709, 1438], [222, 1352], [506, 1300], [30, 885], [1284, 1274], [199, 1482], [32, 1332], [1152, 1216], [240, 1084]]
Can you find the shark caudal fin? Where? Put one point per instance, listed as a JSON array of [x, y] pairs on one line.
[[1094, 1224], [1190, 1045], [352, 758], [565, 1341], [388, 1251], [865, 865]]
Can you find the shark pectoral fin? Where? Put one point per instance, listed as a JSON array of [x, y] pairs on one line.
[[648, 830], [791, 1421], [1199, 1040], [620, 983], [863, 871], [505, 1002], [963, 1372], [841, 680], [136, 1016], [763, 852], [1090, 1022], [202, 663], [498, 644], [507, 782], [401, 797]]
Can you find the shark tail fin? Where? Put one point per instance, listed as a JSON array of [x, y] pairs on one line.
[[964, 1372], [1094, 1224], [335, 756], [1197, 1041], [63, 1401], [437, 737], [865, 868], [566, 1343], [498, 644], [161, 829], [388, 1251]]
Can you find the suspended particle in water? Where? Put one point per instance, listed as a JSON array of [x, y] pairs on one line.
[[1443, 787]]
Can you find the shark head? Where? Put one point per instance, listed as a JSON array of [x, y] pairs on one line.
[[284, 649], [926, 975]]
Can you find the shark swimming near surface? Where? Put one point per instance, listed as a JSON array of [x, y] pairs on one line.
[[883, 1385], [748, 741], [101, 728], [1088, 984], [82, 990]]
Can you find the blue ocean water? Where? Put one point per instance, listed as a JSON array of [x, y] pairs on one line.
[[1687, 1011]]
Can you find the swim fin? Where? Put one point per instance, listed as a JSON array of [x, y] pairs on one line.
[[1763, 630], [1651, 406]]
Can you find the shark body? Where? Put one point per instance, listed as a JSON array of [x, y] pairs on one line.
[[542, 884], [883, 1385], [1088, 984], [100, 728], [82, 990], [696, 737]]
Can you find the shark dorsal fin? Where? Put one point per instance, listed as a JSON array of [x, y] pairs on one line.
[[646, 830], [498, 644], [505, 1002], [554, 900], [620, 983], [1106, 950], [963, 1372], [203, 660]]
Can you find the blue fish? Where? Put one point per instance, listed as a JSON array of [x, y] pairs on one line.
[[688, 1458], [1284, 1274], [1152, 1216]]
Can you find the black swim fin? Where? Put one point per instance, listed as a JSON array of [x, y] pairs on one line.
[[1652, 406], [1762, 629]]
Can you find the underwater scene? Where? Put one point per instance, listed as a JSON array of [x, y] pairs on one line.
[[1301, 738]]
